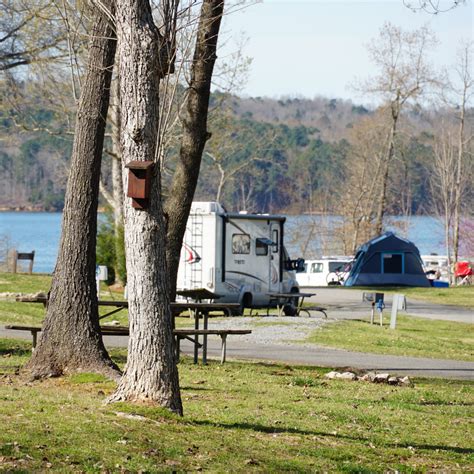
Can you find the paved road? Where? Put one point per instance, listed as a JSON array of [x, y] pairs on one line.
[[338, 358], [315, 355]]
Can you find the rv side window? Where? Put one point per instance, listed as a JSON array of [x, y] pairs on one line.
[[240, 244], [275, 240], [261, 247], [392, 263], [317, 267]]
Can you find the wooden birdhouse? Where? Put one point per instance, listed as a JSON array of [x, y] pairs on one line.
[[139, 182]]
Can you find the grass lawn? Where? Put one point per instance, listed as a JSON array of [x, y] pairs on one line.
[[24, 283], [413, 336], [292, 420]]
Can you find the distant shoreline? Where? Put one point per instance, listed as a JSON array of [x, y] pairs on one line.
[[305, 214], [36, 210]]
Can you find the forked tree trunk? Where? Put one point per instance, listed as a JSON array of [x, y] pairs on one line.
[[71, 339], [195, 135], [151, 373]]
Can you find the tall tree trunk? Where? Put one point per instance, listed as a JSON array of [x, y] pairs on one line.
[[151, 373], [117, 184], [195, 135], [71, 338], [457, 184], [382, 203]]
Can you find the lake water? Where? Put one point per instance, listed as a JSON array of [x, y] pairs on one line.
[[40, 231]]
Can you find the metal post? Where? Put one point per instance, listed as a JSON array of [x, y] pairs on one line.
[[393, 316], [223, 351], [196, 337], [204, 338]]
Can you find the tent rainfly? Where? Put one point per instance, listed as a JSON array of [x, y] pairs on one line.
[[387, 260]]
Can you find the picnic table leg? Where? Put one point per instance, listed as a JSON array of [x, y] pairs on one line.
[[299, 307], [223, 347], [204, 338], [196, 337], [35, 338]]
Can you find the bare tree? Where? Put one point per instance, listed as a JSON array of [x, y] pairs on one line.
[[461, 92], [403, 75], [235, 135], [22, 38], [151, 373], [71, 338], [432, 6], [442, 182], [453, 163], [194, 134], [363, 171]]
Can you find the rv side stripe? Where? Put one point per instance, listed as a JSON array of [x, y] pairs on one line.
[[247, 274]]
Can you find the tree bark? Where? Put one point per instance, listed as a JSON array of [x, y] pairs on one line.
[[71, 339], [117, 183], [457, 184], [151, 373], [195, 135], [382, 203]]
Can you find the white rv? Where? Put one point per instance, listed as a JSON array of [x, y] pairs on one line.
[[238, 256]]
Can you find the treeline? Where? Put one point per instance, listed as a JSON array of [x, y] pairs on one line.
[[292, 156], [33, 164]]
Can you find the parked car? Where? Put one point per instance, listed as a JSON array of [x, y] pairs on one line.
[[327, 271], [436, 267]]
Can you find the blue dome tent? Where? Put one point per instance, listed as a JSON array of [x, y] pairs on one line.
[[387, 260]]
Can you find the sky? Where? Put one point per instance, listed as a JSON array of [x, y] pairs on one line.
[[318, 47]]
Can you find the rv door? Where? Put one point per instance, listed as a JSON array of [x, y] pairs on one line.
[[274, 258]]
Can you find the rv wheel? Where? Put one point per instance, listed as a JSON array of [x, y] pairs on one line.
[[289, 310], [246, 301]]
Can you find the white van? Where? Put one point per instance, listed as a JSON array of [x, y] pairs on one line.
[[327, 271]]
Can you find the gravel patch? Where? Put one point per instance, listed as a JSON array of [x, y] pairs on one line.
[[271, 329]]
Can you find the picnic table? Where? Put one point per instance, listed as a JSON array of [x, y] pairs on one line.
[[197, 311], [198, 294], [283, 299]]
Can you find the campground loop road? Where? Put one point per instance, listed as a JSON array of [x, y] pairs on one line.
[[341, 304]]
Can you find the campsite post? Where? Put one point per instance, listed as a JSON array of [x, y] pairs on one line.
[[380, 307], [397, 303]]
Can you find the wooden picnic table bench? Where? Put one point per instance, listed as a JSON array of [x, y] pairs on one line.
[[198, 310], [308, 309], [178, 333]]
